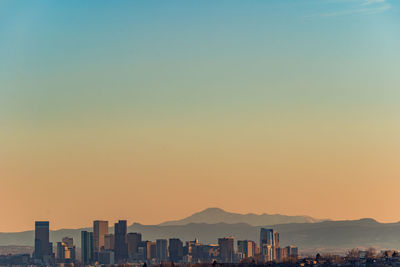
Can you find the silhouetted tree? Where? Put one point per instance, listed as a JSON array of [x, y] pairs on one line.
[[370, 253], [353, 255]]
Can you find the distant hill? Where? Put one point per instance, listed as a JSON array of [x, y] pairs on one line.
[[217, 215], [327, 236]]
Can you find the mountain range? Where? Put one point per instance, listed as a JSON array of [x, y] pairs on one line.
[[309, 234], [217, 215]]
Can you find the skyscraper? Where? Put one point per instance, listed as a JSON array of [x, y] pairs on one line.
[[66, 250], [109, 242], [247, 248], [87, 247], [100, 229], [269, 243], [133, 240], [175, 249], [120, 246], [161, 250], [226, 248], [267, 237], [42, 245], [148, 249]]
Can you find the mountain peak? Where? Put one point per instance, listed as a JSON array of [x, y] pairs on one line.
[[214, 215], [212, 210]]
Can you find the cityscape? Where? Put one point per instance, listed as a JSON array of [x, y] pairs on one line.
[[100, 247], [199, 133]]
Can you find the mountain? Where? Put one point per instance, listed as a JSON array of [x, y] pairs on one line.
[[217, 215], [326, 236]]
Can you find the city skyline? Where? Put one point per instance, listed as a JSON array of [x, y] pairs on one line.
[[152, 110], [129, 248]]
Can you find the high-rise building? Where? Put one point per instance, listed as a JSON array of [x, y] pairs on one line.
[[292, 252], [120, 246], [87, 246], [60, 251], [109, 242], [43, 248], [269, 237], [268, 253], [148, 250], [161, 250], [269, 243], [226, 247], [175, 249], [106, 257], [66, 250], [246, 248], [133, 240], [68, 241], [100, 229], [153, 250]]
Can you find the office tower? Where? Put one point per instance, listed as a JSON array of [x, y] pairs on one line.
[[267, 236], [276, 239], [100, 229], [133, 240], [246, 248], [147, 249], [226, 248], [87, 247], [106, 257], [66, 250], [109, 242], [267, 252], [43, 248], [153, 250], [68, 241], [161, 250], [120, 246], [175, 249], [292, 252], [60, 251]]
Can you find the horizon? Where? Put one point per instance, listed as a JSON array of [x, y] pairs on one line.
[[152, 110], [130, 223]]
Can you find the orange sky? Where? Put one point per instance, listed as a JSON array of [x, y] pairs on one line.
[[322, 168]]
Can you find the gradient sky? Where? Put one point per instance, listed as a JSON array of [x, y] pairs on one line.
[[152, 110]]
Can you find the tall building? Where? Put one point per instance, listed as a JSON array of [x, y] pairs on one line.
[[161, 250], [120, 246], [246, 248], [43, 248], [148, 250], [292, 252], [109, 242], [269, 244], [175, 249], [87, 247], [66, 250], [69, 241], [133, 240], [268, 253], [269, 237], [106, 257], [226, 248], [100, 229]]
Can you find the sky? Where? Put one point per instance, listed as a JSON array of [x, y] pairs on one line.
[[153, 110]]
